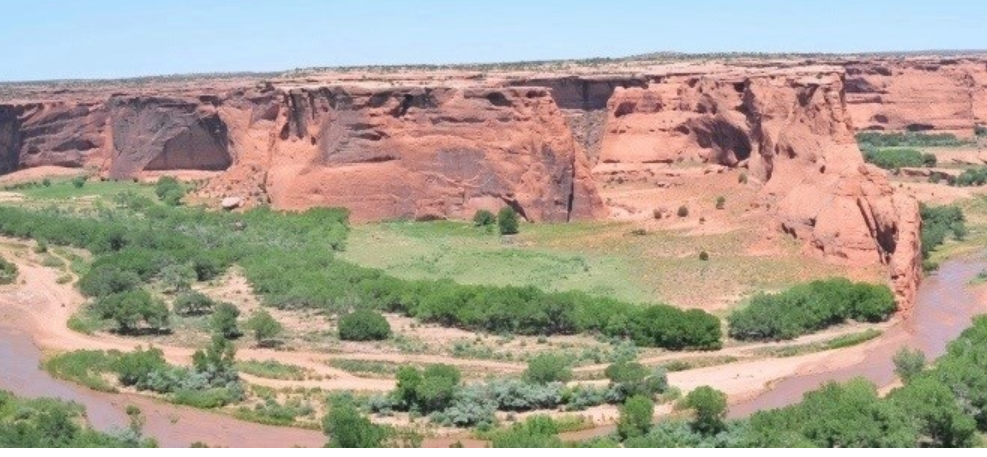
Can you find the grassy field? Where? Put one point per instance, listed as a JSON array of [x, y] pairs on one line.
[[63, 189], [603, 258]]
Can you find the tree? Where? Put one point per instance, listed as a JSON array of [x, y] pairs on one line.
[[940, 418], [79, 181], [635, 416], [364, 325], [224, 321], [721, 201], [546, 368], [106, 280], [46, 182], [347, 428], [132, 307], [178, 277], [630, 378], [683, 211], [426, 391], [507, 221], [8, 272], [703, 256], [535, 432], [710, 407], [193, 304], [483, 218], [263, 325], [908, 363]]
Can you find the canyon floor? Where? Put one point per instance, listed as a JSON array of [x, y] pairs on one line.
[[633, 255]]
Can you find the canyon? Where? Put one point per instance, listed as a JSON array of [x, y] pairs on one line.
[[443, 143]]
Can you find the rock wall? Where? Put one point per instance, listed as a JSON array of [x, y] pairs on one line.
[[792, 130], [421, 153], [943, 95]]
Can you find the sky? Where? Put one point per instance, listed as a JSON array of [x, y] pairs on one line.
[[56, 39]]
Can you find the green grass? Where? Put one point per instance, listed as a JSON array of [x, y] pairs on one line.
[[366, 368], [272, 369], [51, 261], [839, 342], [696, 362], [64, 189], [600, 258], [87, 368], [85, 322]]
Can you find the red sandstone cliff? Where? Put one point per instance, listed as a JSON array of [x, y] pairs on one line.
[[443, 150], [792, 130]]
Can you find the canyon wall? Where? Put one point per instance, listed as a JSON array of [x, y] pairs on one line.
[[444, 149], [791, 129], [940, 95]]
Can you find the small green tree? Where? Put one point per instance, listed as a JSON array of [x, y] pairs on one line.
[[347, 428], [507, 221], [721, 201], [908, 363], [169, 190], [224, 321], [704, 256], [364, 325], [263, 326], [79, 181], [635, 416], [129, 309], [546, 368], [178, 277], [8, 272], [484, 218], [683, 211], [427, 391], [193, 304], [46, 182], [929, 160], [743, 178], [710, 407]]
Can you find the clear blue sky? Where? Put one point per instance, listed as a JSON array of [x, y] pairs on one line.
[[44, 39]]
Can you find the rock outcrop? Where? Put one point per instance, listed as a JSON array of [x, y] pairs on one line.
[[792, 130], [941, 95]]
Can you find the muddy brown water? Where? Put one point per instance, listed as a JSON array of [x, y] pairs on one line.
[[943, 309]]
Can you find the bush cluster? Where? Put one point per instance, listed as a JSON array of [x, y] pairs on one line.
[[8, 271], [169, 190], [939, 222], [364, 325], [893, 159], [809, 307], [869, 140], [51, 423], [972, 177]]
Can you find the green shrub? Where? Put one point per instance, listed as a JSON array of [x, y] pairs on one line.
[[507, 221], [703, 256], [721, 202], [635, 416], [364, 325], [980, 130], [193, 304], [224, 321], [546, 368], [908, 363], [629, 378], [710, 408], [103, 280], [893, 159], [427, 391], [51, 423], [929, 160], [46, 182], [8, 272], [85, 367], [809, 307], [535, 432], [868, 140], [131, 308], [938, 222], [169, 190], [78, 182], [483, 218], [683, 211], [972, 177], [136, 368], [743, 178], [263, 326], [347, 428]]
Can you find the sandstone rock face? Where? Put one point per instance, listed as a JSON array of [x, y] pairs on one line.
[[944, 95], [422, 153], [791, 129], [57, 133], [151, 133]]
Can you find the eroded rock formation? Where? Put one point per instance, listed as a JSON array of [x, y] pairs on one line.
[[943, 95], [792, 130]]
